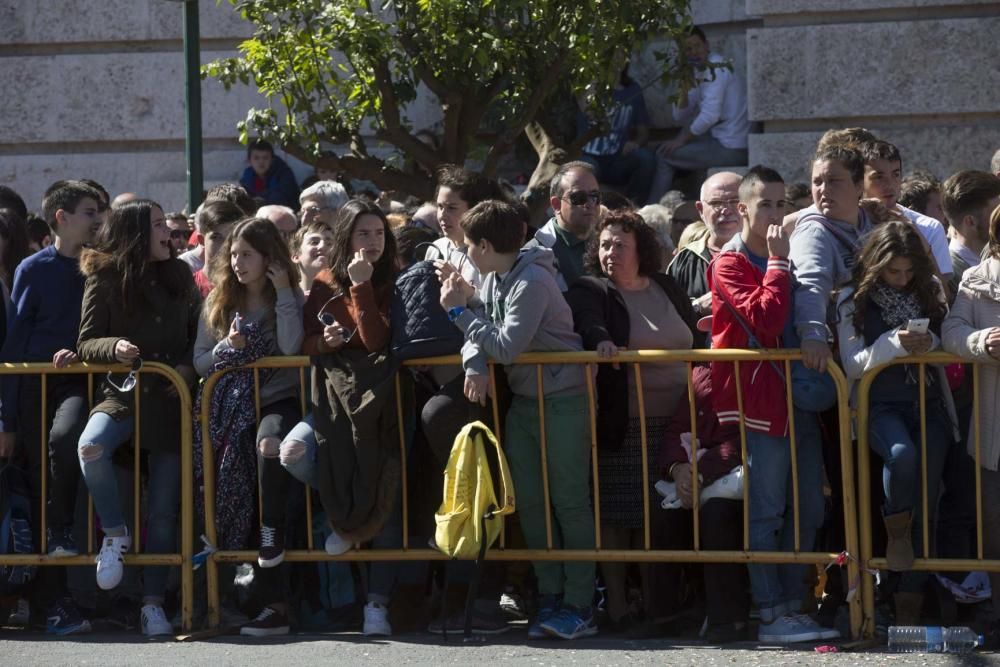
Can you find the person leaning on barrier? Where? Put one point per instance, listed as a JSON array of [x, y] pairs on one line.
[[43, 323], [893, 283], [255, 310], [139, 302], [751, 288], [524, 311], [727, 604], [627, 303], [971, 330], [352, 455]]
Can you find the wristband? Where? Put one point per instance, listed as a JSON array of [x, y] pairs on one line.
[[454, 313]]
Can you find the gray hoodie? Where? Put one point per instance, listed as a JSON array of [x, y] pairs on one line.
[[822, 252], [523, 312]]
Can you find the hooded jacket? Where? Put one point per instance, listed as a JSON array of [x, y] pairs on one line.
[[524, 311], [279, 184], [688, 268], [977, 310]]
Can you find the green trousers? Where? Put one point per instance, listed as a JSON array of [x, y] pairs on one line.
[[567, 443]]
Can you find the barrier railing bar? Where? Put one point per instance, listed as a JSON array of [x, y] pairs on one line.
[[495, 405], [977, 438], [306, 488], [792, 443], [545, 457], [743, 453], [90, 500], [402, 462], [693, 411], [592, 415], [644, 447], [44, 444], [922, 391], [136, 466]]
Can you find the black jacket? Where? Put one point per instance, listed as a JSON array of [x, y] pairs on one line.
[[600, 314]]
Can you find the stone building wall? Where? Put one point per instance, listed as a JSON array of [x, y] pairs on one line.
[[96, 87]]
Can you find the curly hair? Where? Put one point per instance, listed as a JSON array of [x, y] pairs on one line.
[[229, 294], [889, 241], [647, 245]]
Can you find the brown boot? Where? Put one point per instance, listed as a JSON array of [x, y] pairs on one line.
[[908, 608], [899, 550]]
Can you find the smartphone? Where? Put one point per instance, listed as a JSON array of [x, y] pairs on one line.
[[918, 325], [238, 323]]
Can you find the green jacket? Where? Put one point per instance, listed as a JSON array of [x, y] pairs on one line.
[[162, 326]]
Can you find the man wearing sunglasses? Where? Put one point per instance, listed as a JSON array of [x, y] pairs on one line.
[[576, 201], [180, 232]]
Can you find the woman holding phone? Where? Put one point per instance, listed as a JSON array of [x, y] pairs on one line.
[[255, 311], [139, 303], [892, 308]]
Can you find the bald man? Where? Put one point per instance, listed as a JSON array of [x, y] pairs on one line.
[[717, 207], [282, 217], [124, 197]]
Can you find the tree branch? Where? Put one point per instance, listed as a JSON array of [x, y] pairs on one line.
[[370, 169], [394, 131]]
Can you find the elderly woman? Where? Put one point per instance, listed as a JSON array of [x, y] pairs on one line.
[[321, 201], [627, 302]]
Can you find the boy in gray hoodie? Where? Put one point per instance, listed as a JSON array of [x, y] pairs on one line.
[[524, 311]]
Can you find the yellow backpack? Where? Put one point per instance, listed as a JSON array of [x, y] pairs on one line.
[[470, 506]]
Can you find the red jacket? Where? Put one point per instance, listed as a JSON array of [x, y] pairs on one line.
[[763, 301]]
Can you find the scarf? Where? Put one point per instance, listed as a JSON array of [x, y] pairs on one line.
[[898, 307]]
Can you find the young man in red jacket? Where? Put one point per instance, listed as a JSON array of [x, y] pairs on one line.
[[751, 285]]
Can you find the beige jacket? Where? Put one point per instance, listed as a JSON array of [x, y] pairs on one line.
[[977, 310]]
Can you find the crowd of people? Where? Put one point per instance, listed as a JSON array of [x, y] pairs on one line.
[[858, 267]]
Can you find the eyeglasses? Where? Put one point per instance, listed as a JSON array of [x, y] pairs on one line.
[[328, 320], [581, 197], [315, 210], [722, 204], [130, 380]]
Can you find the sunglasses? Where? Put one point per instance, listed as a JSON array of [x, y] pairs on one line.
[[130, 380], [581, 197], [328, 320]]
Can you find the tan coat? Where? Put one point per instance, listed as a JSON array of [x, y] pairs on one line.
[[977, 310]]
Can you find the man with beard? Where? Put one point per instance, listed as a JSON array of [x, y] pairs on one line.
[[575, 197]]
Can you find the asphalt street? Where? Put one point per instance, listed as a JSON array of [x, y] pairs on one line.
[[19, 649]]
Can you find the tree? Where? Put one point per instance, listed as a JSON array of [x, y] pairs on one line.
[[343, 72]]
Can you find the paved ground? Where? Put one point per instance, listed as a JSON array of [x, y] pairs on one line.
[[352, 649]]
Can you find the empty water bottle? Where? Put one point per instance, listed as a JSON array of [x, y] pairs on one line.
[[932, 639]]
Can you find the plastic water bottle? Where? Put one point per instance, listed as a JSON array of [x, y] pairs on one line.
[[932, 639]]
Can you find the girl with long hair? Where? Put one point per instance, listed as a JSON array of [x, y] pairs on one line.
[[139, 303], [351, 454], [13, 248], [892, 308], [254, 311]]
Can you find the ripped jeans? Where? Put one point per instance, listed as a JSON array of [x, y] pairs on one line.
[[100, 438]]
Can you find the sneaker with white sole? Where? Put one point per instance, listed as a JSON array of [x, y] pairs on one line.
[[571, 623], [807, 621], [548, 606], [63, 618], [786, 630], [154, 621], [272, 547], [111, 562], [269, 622], [61, 543], [335, 544], [376, 621]]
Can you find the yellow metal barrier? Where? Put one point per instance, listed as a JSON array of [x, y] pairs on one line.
[[636, 358], [183, 559], [864, 480]]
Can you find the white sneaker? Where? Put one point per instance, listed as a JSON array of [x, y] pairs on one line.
[[376, 621], [154, 621], [335, 544], [110, 561], [21, 614]]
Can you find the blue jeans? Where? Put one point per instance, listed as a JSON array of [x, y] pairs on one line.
[[894, 434], [778, 589], [634, 171], [100, 438], [700, 153]]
